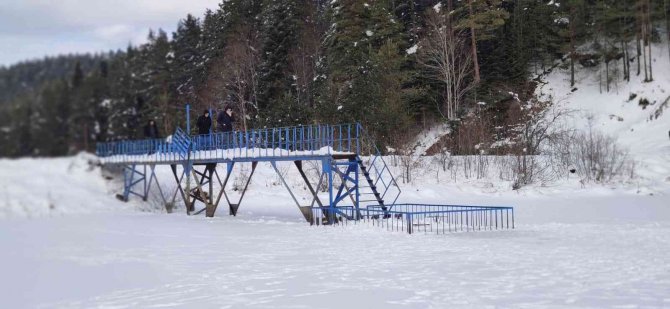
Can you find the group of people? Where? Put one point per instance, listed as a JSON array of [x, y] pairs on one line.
[[224, 124]]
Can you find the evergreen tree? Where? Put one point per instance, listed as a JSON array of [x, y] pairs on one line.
[[157, 70], [280, 33], [21, 115], [299, 61], [360, 84], [483, 16], [187, 68], [51, 122], [572, 20]]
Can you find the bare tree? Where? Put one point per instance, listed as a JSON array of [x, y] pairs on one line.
[[537, 122], [444, 54], [237, 72]]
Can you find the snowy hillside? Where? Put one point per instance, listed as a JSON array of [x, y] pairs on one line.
[[644, 131]]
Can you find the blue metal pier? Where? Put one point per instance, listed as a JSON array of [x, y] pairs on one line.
[[337, 147], [351, 167]]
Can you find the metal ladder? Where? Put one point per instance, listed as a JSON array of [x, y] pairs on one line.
[[382, 187]]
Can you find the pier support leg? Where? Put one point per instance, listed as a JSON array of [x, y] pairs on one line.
[[178, 180], [133, 176], [326, 165], [307, 210], [232, 207]]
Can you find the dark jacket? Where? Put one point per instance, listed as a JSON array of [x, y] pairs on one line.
[[225, 122], [204, 124], [151, 131]]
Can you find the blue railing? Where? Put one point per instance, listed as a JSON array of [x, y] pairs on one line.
[[295, 141], [413, 218], [419, 218]]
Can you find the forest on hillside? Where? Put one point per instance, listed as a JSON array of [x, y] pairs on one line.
[[396, 66]]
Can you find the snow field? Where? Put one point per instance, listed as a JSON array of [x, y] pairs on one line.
[[593, 248], [148, 261]]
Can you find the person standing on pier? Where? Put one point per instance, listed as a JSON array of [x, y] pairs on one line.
[[225, 120], [151, 130], [204, 123], [151, 133], [204, 128], [224, 124]]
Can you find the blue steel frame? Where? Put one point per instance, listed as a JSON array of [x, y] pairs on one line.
[[330, 144], [134, 175], [345, 151]]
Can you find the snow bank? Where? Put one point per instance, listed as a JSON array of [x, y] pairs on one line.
[[53, 187]]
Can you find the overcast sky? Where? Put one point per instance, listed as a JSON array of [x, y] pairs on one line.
[[32, 29]]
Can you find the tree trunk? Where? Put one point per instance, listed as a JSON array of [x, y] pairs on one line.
[[85, 136], [607, 74], [649, 28], [626, 39], [450, 7], [624, 45], [450, 39], [600, 81], [473, 38], [645, 37], [573, 49], [626, 64], [638, 30], [666, 7]]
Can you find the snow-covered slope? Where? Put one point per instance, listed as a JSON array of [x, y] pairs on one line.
[[426, 139], [643, 131], [53, 187]]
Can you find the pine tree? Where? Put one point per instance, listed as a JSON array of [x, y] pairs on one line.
[[78, 76], [80, 115], [359, 84], [280, 33], [483, 16], [158, 64], [187, 67], [572, 20], [347, 64], [5, 132], [51, 121], [125, 98], [21, 114]]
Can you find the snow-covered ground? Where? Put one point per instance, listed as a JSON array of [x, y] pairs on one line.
[[593, 248], [560, 255], [68, 243]]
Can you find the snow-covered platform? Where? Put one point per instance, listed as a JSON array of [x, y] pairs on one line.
[[275, 144], [224, 155]]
